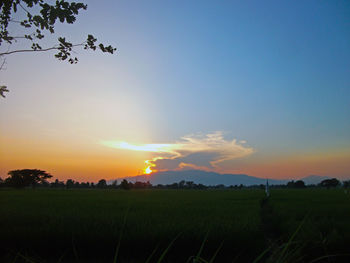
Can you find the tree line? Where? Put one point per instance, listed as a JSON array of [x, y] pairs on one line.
[[38, 178]]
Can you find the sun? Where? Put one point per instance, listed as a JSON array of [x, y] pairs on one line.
[[148, 170]]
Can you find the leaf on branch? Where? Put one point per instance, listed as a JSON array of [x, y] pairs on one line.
[[28, 37], [90, 42], [25, 24], [108, 49], [36, 46], [2, 90], [42, 16]]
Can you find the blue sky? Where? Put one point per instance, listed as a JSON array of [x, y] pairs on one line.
[[273, 73], [265, 71]]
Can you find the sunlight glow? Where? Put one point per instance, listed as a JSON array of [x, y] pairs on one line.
[[141, 147], [148, 170]]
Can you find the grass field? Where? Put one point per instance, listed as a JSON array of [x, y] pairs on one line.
[[87, 225]]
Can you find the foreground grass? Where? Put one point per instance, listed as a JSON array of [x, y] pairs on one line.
[[326, 230], [81, 225]]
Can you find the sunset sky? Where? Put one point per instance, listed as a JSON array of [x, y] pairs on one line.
[[255, 87]]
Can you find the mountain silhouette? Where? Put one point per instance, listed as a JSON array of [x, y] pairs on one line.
[[314, 179], [201, 177]]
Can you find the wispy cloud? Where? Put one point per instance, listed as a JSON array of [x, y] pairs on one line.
[[192, 151]]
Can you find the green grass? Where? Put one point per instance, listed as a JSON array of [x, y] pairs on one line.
[[326, 229], [89, 224]]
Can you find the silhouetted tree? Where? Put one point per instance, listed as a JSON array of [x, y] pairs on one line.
[[44, 184], [189, 184], [114, 184], [142, 185], [182, 184], [57, 184], [37, 19], [296, 184], [69, 183], [173, 186], [334, 182], [201, 186], [102, 184], [346, 184], [26, 177], [299, 184], [291, 184], [84, 185], [125, 185], [139, 185]]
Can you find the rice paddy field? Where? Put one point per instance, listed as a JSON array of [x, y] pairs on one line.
[[51, 225]]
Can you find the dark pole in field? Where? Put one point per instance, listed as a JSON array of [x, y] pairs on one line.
[[267, 190]]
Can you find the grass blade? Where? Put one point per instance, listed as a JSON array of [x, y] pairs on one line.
[[166, 250], [291, 240], [26, 258], [120, 236], [202, 245], [328, 256], [201, 260], [153, 252], [15, 259], [74, 249], [216, 252], [61, 257], [261, 255]]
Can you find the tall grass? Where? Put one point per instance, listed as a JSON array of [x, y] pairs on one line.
[[139, 226]]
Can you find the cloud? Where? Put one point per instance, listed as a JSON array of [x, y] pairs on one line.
[[202, 151], [196, 151]]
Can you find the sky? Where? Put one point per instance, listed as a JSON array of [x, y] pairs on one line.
[[254, 87]]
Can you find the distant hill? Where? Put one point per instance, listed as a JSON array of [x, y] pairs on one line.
[[201, 177], [314, 179]]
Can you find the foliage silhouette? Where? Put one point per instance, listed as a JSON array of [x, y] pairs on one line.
[[125, 185], [328, 183], [102, 184], [38, 19], [69, 183], [57, 184], [26, 177], [114, 184], [346, 184], [297, 184]]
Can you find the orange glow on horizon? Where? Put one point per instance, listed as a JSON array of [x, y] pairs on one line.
[[83, 161]]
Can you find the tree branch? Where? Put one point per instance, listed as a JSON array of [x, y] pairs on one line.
[[3, 64], [16, 37], [32, 50], [14, 21], [27, 50], [23, 8]]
